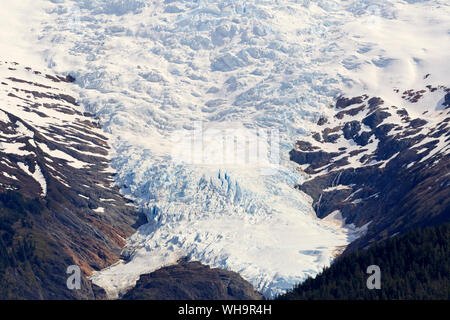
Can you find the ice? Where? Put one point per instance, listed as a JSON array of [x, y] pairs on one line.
[[152, 69]]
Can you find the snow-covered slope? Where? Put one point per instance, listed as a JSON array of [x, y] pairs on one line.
[[35, 110], [368, 131], [381, 163], [55, 156], [152, 71]]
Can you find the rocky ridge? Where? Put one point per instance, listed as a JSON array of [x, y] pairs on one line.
[[380, 165], [192, 281], [54, 154]]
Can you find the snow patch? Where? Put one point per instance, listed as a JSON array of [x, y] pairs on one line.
[[37, 175]]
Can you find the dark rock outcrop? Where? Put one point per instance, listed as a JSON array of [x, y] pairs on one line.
[[192, 281], [389, 172]]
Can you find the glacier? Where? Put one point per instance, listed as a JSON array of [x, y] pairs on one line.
[[152, 71]]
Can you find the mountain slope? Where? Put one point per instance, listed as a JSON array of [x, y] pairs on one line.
[[381, 164], [413, 266], [191, 281], [58, 206]]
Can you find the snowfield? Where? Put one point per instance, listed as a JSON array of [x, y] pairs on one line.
[[153, 70]]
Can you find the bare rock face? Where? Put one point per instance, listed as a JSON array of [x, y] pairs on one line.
[[192, 281], [54, 165], [382, 166]]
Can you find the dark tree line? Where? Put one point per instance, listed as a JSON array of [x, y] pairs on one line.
[[17, 248], [413, 266]]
